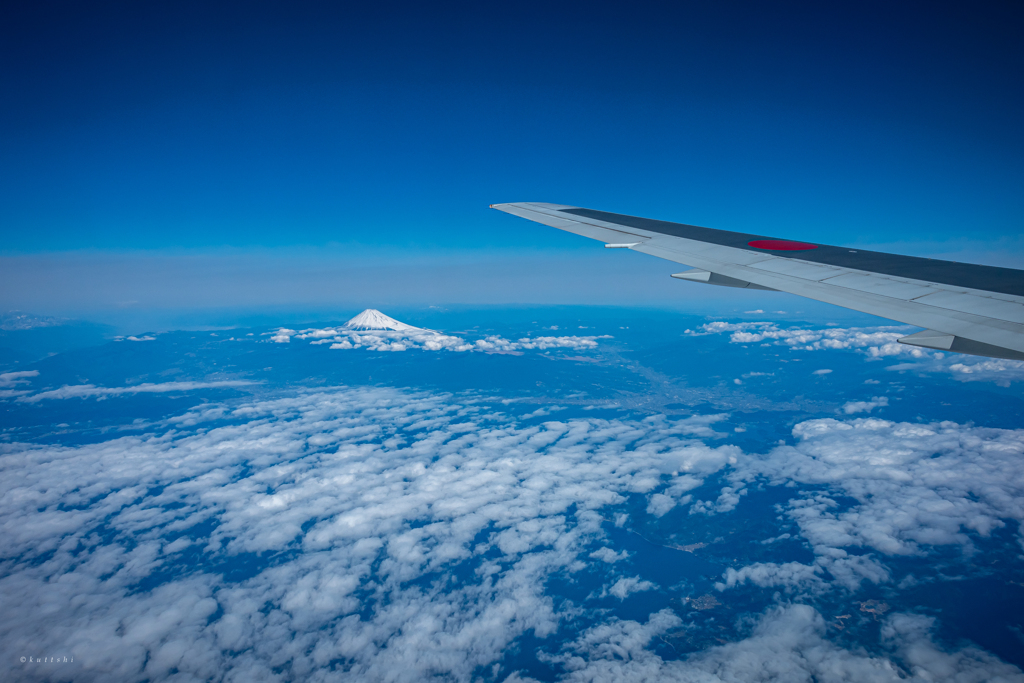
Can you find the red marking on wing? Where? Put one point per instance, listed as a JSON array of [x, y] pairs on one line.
[[782, 245]]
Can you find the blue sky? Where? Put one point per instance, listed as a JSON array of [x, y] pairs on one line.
[[185, 128]]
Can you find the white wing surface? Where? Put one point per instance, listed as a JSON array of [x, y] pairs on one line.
[[963, 307]]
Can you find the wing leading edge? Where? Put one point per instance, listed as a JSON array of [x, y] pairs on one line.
[[964, 308]]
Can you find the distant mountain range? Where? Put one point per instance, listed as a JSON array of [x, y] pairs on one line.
[[16, 320]]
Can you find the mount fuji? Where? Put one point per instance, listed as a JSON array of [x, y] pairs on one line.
[[372, 319]]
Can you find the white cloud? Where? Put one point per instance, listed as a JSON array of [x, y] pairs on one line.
[[610, 556], [791, 575], [361, 494], [822, 371], [968, 368], [787, 644], [10, 379], [575, 343], [914, 485], [408, 535], [975, 369], [429, 340], [89, 390], [541, 412], [659, 504], [14, 379], [386, 340], [283, 336], [852, 407], [626, 586], [978, 366], [12, 393], [876, 342]]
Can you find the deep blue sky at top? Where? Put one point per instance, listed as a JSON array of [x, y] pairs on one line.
[[197, 125]]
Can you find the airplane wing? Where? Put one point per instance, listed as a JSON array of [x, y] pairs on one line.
[[964, 308]]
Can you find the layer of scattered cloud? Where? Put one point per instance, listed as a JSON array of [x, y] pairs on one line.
[[361, 496], [93, 391], [787, 644], [875, 342], [853, 407], [10, 381], [913, 487], [429, 340], [378, 534], [970, 369]]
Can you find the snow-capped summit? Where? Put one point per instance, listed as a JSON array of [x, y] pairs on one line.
[[372, 319]]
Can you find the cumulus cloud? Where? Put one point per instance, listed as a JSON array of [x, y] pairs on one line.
[[791, 575], [852, 407], [970, 369], [994, 365], [787, 644], [283, 336], [544, 343], [625, 586], [405, 535], [374, 533], [875, 342], [429, 340], [385, 340], [659, 504], [91, 390], [608, 555], [9, 380], [915, 486]]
